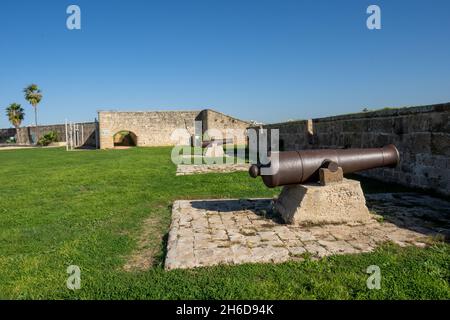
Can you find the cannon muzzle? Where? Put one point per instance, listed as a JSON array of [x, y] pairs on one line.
[[296, 167]]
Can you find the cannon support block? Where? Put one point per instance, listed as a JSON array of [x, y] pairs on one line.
[[314, 203], [327, 176]]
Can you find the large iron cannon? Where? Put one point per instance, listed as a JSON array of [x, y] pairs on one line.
[[297, 167]]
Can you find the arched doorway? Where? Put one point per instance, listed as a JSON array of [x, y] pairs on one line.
[[125, 138]]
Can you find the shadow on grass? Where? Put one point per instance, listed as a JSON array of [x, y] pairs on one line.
[[160, 259]]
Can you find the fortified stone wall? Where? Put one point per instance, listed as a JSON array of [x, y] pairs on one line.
[[155, 128], [294, 135], [25, 134], [222, 123], [151, 128], [421, 134]]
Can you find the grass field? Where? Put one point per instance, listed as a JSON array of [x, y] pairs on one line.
[[90, 209]]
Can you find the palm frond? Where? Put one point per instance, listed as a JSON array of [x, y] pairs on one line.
[[15, 114], [33, 94]]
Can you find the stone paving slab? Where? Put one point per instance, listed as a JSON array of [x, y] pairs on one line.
[[232, 231], [189, 169]]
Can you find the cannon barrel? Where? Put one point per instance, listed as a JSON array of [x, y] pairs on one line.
[[296, 167]]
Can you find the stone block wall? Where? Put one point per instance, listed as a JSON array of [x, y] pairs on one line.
[[421, 134], [5, 134], [294, 135], [155, 128], [25, 135], [222, 123], [151, 128]]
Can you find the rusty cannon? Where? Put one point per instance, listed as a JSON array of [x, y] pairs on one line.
[[298, 167]]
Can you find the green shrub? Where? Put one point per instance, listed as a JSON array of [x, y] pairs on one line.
[[48, 138], [11, 140]]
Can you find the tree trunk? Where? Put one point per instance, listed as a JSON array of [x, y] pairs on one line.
[[17, 135], [36, 125]]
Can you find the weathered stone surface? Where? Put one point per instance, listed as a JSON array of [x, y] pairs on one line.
[[417, 213], [328, 177], [155, 128], [332, 203], [188, 169], [235, 231]]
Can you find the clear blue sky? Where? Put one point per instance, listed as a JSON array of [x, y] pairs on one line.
[[256, 60]]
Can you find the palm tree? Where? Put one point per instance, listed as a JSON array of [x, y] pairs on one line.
[[15, 115], [33, 96]]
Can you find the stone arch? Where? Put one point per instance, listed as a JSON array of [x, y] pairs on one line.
[[125, 138]]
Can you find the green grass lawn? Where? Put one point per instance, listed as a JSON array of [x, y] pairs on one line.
[[88, 208]]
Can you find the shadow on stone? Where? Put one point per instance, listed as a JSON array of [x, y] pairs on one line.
[[414, 211], [418, 212], [261, 207]]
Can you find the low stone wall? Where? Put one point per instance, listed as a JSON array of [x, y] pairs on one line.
[[6, 134], [222, 123], [421, 134], [25, 135], [152, 128], [155, 128]]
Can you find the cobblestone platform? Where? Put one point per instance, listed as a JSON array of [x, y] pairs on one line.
[[212, 232]]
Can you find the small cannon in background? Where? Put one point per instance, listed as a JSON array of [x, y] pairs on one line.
[[218, 142], [298, 167], [214, 147]]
